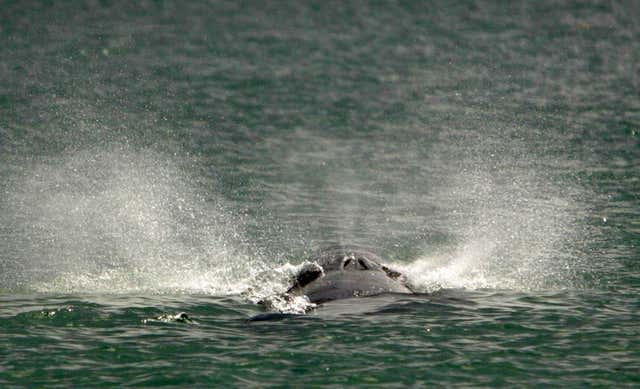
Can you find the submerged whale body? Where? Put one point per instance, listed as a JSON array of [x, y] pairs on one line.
[[341, 272]]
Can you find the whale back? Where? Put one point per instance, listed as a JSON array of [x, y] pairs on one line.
[[346, 271]]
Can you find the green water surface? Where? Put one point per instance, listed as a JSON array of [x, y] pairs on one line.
[[159, 157]]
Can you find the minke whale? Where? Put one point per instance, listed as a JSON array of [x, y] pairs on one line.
[[341, 272]]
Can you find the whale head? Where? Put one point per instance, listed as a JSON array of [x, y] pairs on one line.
[[340, 272]]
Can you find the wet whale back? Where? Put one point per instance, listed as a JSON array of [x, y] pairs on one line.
[[341, 285], [341, 272]]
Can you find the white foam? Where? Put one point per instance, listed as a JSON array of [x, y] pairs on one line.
[[270, 286]]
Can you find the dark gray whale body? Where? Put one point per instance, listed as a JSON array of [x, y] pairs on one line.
[[341, 272]]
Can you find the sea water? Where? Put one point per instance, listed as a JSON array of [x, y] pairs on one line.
[[164, 166]]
